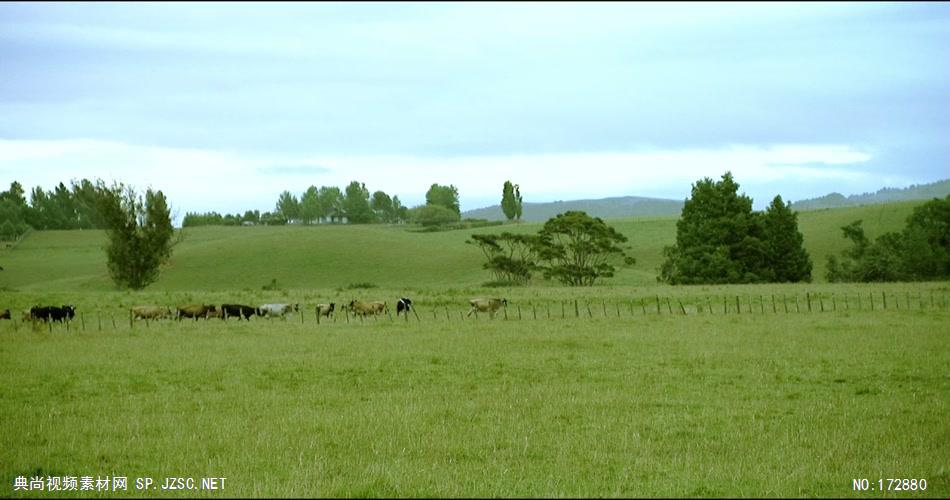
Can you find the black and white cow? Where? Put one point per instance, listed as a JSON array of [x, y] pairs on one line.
[[53, 313], [403, 305]]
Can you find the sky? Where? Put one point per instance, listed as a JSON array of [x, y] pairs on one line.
[[223, 106]]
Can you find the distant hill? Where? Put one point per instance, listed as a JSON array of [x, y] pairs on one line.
[[939, 189], [624, 206]]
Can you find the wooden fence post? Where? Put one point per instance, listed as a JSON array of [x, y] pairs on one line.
[[773, 304], [797, 308], [681, 306], [808, 298], [884, 298], [668, 306], [658, 304]]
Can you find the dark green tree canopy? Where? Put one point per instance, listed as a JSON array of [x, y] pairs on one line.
[[920, 251], [510, 201], [719, 239], [356, 204], [444, 196]]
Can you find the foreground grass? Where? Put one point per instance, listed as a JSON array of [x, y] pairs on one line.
[[652, 405]]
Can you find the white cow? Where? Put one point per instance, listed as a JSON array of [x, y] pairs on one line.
[[268, 310]]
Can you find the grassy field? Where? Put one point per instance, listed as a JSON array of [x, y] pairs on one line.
[[626, 389], [330, 257], [650, 404]]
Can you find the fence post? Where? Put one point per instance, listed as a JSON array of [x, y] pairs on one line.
[[808, 298], [589, 314], [709, 304], [797, 308], [534, 311], [821, 302], [738, 309], [643, 305], [884, 298], [784, 303], [681, 306], [761, 305], [724, 310], [658, 304], [113, 320], [519, 312], [871, 299], [576, 313], [773, 304], [834, 302]]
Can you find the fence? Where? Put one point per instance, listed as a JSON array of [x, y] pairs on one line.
[[653, 305]]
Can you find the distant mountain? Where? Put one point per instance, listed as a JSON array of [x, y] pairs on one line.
[[939, 189], [624, 206]]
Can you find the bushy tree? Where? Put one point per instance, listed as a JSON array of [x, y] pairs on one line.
[[139, 234], [287, 206], [787, 261], [920, 251], [331, 202], [578, 249], [382, 206], [432, 215], [356, 204], [511, 258], [444, 196], [719, 239], [310, 206]]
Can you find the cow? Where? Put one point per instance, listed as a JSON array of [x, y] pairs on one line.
[[326, 309], [364, 308], [194, 311], [403, 305], [53, 313], [5, 314], [239, 310], [486, 305], [151, 312], [268, 310]]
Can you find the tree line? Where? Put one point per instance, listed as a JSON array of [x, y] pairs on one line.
[[353, 204], [73, 207]]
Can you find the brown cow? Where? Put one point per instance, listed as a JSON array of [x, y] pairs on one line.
[[487, 305]]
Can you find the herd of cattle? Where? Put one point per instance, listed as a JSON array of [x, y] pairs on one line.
[[240, 311]]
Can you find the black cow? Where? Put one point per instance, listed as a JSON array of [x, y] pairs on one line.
[[241, 311], [5, 314], [54, 313], [403, 305]]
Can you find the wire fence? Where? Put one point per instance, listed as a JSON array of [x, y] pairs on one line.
[[646, 305]]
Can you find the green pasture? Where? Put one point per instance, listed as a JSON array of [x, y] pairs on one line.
[[626, 389], [627, 404], [336, 256]]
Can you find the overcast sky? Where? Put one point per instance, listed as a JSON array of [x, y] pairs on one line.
[[224, 105]]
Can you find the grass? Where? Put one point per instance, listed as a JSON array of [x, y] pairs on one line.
[[248, 258], [604, 391], [644, 405]]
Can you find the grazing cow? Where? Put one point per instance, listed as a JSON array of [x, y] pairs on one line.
[[239, 310], [151, 312], [280, 310], [364, 308], [326, 309], [5, 314], [194, 311], [487, 305], [403, 305], [54, 313]]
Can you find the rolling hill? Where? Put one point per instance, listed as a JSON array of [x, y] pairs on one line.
[[937, 189], [605, 208], [338, 256]]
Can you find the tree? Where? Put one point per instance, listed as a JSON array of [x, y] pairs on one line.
[[920, 251], [432, 215], [356, 204], [508, 202], [288, 206], [444, 196], [331, 202], [139, 233], [787, 260], [382, 206], [718, 238], [310, 205], [400, 212], [518, 204], [578, 249], [511, 258]]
